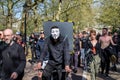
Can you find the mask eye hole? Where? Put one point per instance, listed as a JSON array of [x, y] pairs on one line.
[[41, 32]]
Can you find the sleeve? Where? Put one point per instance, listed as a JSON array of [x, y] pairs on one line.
[[44, 51], [78, 45], [66, 52], [30, 41], [22, 59], [89, 44], [38, 49]]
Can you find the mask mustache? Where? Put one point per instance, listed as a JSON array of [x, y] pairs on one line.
[[55, 36]]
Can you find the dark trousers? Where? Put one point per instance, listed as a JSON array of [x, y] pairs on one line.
[[76, 60], [33, 53], [0, 67], [48, 71], [0, 71], [105, 60]]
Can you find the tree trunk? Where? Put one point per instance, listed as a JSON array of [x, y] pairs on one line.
[[59, 12], [9, 16]]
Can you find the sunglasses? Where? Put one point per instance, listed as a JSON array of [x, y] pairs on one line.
[[41, 32]]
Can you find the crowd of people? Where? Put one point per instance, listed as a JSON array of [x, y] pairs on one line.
[[97, 51], [94, 51]]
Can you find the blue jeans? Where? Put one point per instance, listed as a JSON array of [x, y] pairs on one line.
[[76, 59]]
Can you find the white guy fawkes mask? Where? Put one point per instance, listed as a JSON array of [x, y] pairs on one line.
[[55, 32]]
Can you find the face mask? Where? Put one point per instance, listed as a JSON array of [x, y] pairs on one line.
[[55, 32]]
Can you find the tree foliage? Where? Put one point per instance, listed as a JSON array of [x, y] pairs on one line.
[[81, 12], [110, 13], [9, 9]]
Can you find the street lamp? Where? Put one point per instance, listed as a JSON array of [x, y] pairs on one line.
[[25, 8]]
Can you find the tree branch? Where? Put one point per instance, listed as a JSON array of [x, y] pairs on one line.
[[70, 8]]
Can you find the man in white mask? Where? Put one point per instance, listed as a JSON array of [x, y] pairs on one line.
[[58, 49], [55, 33]]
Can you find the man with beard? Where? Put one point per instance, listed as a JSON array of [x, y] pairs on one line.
[[58, 49], [106, 50], [13, 58]]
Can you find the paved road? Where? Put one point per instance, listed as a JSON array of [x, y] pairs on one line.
[[80, 75]]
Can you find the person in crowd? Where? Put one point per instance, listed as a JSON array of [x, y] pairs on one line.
[[2, 46], [115, 49], [110, 33], [1, 35], [32, 42], [59, 56], [84, 47], [76, 51], [16, 35], [106, 52], [80, 35], [94, 59], [13, 58], [18, 38], [39, 46], [98, 36]]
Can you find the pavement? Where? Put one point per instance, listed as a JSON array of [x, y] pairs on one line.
[[80, 75]]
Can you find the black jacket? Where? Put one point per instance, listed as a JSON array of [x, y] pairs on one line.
[[3, 45], [39, 48], [14, 59], [97, 47], [76, 44], [58, 51]]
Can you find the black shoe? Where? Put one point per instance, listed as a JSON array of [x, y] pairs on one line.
[[114, 68], [106, 75]]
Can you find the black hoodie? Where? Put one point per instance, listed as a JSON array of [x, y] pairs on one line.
[[58, 51]]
